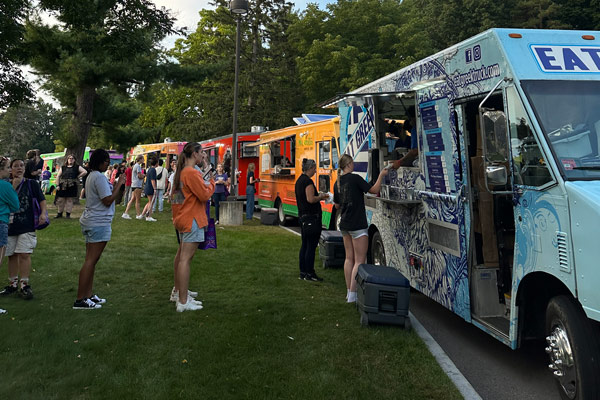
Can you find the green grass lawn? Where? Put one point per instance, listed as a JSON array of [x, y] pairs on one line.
[[263, 334]]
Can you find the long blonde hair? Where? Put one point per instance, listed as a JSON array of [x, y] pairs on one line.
[[345, 160]]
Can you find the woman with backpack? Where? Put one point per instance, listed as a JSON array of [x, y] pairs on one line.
[[21, 231]]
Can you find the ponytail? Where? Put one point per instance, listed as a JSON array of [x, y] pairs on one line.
[[187, 152], [344, 161]]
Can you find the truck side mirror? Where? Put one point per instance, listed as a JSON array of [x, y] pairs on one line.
[[496, 175], [494, 135]]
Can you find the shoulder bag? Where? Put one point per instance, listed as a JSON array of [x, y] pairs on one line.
[[37, 211]]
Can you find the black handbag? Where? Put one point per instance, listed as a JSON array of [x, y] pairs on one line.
[[311, 224]]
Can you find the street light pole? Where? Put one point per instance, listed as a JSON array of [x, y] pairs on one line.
[[239, 7]]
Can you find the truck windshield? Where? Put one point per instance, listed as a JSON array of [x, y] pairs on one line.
[[569, 114]]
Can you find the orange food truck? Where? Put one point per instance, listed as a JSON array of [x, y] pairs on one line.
[[281, 153], [219, 149], [165, 150]]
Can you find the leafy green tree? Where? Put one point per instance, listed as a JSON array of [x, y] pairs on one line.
[[29, 126], [269, 87], [13, 87], [101, 45], [355, 42]]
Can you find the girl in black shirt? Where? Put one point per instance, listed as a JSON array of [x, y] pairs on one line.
[[309, 208], [349, 201]]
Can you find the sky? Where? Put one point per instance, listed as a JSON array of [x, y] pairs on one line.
[[187, 12]]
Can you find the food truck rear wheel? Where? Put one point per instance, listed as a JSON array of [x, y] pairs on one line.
[[280, 214], [573, 348], [377, 250]]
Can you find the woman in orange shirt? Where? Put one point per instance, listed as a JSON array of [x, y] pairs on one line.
[[190, 195]]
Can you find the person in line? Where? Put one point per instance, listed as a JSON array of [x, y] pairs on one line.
[[309, 206], [222, 181], [250, 190], [9, 203], [171, 177], [161, 185], [127, 194], [189, 218], [21, 231], [109, 171], [96, 223], [113, 174], [86, 166], [67, 180], [33, 165], [121, 171], [137, 180], [349, 201], [169, 188], [150, 189], [46, 175]]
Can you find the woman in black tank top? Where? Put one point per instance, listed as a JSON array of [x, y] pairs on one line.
[[309, 211]]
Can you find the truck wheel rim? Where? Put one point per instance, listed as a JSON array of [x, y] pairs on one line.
[[281, 214], [378, 256], [562, 364]]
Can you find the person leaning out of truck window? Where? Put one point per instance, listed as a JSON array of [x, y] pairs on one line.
[[309, 207], [350, 203], [411, 126], [250, 190]]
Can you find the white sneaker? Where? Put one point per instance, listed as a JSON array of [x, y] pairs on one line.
[[351, 297], [2, 311], [125, 216], [189, 306], [175, 295], [141, 216], [150, 219], [97, 299]]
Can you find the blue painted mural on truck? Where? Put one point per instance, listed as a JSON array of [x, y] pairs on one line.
[[440, 180]]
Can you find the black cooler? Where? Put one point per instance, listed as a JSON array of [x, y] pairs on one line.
[[331, 249], [383, 295]]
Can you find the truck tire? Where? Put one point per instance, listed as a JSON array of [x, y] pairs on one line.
[[280, 214], [573, 348], [377, 250]]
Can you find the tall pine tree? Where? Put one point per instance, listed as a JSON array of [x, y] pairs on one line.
[[96, 45]]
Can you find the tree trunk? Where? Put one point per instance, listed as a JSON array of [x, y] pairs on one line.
[[82, 121]]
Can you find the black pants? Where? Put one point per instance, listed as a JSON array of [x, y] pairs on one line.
[[217, 199], [307, 252]]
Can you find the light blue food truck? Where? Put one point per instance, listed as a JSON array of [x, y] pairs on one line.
[[498, 217]]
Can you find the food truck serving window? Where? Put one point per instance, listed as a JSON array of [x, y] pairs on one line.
[[569, 114]]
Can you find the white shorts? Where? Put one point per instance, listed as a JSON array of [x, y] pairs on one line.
[[356, 234], [21, 244]]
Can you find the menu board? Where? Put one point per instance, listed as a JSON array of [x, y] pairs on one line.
[[437, 145]]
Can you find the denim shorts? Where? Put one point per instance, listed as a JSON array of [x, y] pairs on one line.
[[3, 234], [96, 234], [195, 236], [356, 234]]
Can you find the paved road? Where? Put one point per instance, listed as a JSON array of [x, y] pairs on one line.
[[495, 371]]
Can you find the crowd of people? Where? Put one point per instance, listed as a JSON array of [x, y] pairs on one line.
[[349, 201], [190, 183], [105, 185]]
